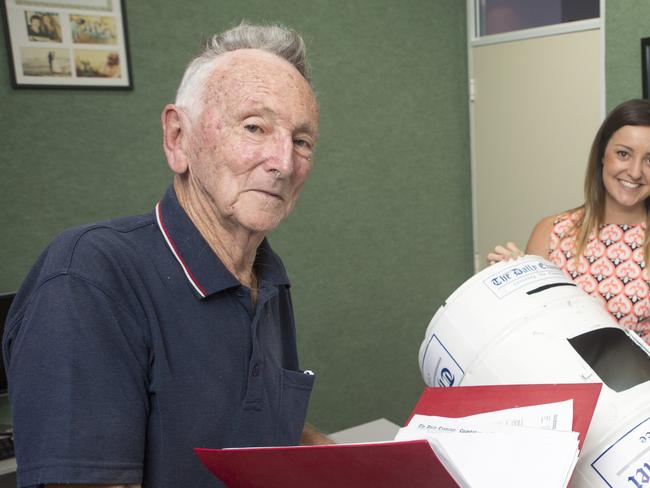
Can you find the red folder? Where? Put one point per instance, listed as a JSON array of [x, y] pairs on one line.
[[388, 464], [462, 401], [375, 465]]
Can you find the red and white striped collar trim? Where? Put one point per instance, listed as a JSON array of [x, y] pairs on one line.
[[172, 246]]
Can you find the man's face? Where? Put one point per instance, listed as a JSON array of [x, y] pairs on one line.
[[251, 149]]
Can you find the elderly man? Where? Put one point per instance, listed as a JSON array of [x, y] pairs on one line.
[[135, 340]]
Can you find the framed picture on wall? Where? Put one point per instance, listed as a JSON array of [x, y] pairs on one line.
[[645, 66], [67, 44]]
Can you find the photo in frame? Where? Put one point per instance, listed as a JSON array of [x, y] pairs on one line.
[[67, 44], [645, 66]]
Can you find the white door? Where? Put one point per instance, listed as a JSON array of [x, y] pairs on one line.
[[537, 105]]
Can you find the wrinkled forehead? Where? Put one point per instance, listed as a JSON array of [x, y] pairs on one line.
[[254, 76]]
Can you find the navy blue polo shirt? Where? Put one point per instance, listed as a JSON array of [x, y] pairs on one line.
[[130, 343]]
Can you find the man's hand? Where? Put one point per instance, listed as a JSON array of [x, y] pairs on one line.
[[313, 437], [501, 253]]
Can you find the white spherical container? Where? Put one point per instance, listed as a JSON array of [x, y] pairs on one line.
[[524, 321]]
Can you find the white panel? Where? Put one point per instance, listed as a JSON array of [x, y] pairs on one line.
[[536, 110]]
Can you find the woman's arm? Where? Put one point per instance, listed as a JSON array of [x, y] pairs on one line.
[[538, 243]]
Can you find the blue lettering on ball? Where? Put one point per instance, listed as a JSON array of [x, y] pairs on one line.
[[446, 378], [641, 477]]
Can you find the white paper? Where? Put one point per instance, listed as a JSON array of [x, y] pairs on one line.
[[530, 458], [526, 446], [548, 416]]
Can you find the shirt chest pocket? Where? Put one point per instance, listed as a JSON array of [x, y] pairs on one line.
[[295, 390]]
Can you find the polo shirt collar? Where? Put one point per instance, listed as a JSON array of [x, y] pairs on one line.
[[201, 266]]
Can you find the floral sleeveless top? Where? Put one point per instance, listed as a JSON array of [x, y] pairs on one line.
[[611, 268]]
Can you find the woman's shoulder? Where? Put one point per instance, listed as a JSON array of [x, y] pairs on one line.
[[572, 217], [560, 224], [568, 218], [544, 227]]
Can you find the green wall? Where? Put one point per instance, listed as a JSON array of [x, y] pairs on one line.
[[626, 22], [382, 233]]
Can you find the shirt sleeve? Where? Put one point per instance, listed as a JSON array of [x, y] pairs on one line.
[[77, 366]]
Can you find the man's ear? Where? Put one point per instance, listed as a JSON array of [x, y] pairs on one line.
[[176, 131]]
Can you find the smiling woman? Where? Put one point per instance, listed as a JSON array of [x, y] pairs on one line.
[[603, 245], [626, 174]]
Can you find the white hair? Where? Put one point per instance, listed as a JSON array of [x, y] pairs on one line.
[[275, 39]]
